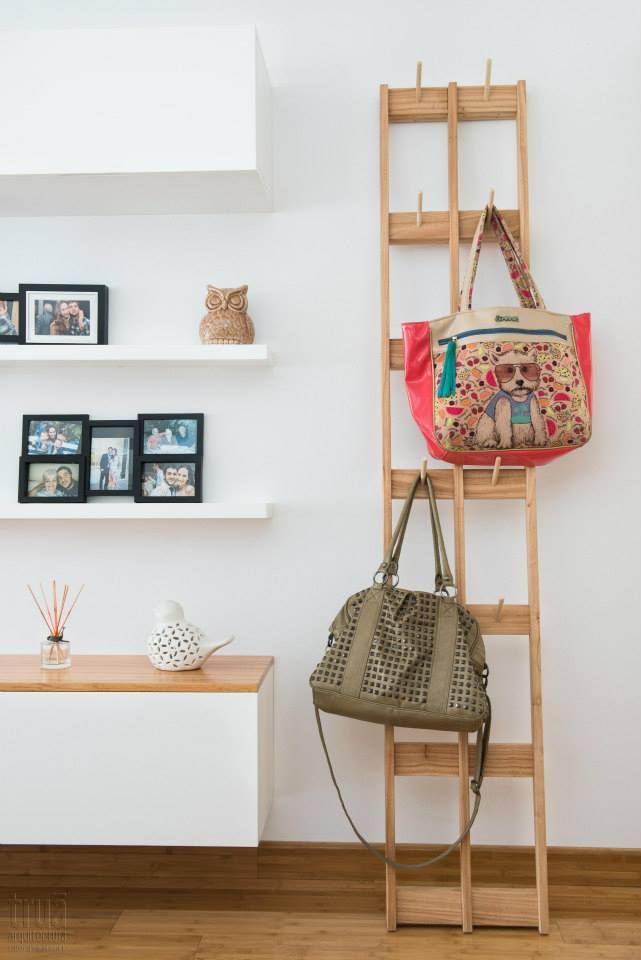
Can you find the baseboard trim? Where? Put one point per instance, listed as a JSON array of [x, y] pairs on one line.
[[309, 876]]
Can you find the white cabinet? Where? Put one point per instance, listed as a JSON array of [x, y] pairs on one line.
[[136, 766], [144, 120]]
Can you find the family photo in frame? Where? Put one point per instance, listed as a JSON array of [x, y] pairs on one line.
[[69, 457], [63, 313], [112, 452], [166, 481], [54, 436], [9, 318], [171, 436], [47, 479]]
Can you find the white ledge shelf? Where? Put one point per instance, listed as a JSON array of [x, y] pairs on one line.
[[114, 509], [135, 355]]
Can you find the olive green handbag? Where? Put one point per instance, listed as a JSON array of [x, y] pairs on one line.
[[409, 658]]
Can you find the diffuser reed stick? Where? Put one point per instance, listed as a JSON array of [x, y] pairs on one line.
[[39, 608], [73, 605]]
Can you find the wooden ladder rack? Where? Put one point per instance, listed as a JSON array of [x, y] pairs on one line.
[[464, 904]]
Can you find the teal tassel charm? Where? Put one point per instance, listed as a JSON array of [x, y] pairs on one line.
[[447, 386]]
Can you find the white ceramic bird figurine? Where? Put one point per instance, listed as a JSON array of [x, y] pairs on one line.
[[175, 644]]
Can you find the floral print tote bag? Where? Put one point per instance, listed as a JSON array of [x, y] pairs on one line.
[[514, 382]]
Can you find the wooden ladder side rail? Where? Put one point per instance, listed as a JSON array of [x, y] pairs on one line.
[[467, 906], [517, 906], [386, 432]]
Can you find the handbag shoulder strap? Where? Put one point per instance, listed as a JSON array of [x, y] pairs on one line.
[[526, 289], [442, 571], [482, 741]]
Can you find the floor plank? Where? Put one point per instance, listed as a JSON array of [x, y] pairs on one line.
[[113, 948], [625, 932], [183, 934]]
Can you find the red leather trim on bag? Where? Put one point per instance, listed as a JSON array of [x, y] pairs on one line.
[[583, 342], [419, 381]]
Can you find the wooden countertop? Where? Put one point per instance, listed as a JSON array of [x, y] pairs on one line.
[[115, 672]]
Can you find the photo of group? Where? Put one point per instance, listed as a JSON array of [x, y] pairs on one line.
[[169, 480], [63, 314], [46, 480], [112, 449], [53, 436], [171, 435], [9, 318]]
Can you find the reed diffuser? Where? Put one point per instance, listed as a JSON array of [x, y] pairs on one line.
[[55, 651]]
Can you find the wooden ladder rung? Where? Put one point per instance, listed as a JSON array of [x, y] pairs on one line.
[[491, 906], [435, 226], [396, 354], [510, 485], [441, 759], [432, 105], [513, 620]]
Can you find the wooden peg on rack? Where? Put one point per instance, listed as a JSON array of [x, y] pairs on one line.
[[490, 201], [499, 609], [488, 79], [423, 469], [419, 210], [495, 471], [419, 71]]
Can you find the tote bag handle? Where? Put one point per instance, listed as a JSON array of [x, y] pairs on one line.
[[526, 289], [389, 567]]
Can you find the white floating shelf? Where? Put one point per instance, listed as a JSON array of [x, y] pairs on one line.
[[170, 120], [115, 509], [135, 355]]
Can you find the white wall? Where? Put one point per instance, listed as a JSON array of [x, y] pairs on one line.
[[307, 432]]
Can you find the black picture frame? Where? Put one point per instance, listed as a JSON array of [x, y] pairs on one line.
[[199, 419], [70, 290], [15, 318], [52, 462], [168, 462], [133, 454], [83, 418]]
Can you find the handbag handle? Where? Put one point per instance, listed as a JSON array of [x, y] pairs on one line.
[[389, 567], [482, 741], [526, 289]]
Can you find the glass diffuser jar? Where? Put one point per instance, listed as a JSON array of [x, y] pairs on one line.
[[55, 653]]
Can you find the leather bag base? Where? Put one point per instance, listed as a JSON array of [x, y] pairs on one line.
[[375, 711]]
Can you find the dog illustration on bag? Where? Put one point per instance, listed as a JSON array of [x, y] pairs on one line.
[[513, 416]]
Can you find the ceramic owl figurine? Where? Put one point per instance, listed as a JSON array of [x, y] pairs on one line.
[[175, 644], [227, 320]]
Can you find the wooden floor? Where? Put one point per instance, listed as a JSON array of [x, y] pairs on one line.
[[294, 902], [93, 933]]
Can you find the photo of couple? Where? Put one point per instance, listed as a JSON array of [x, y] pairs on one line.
[[170, 436], [62, 318], [57, 480], [63, 313], [54, 437], [9, 325], [111, 459], [168, 480]]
